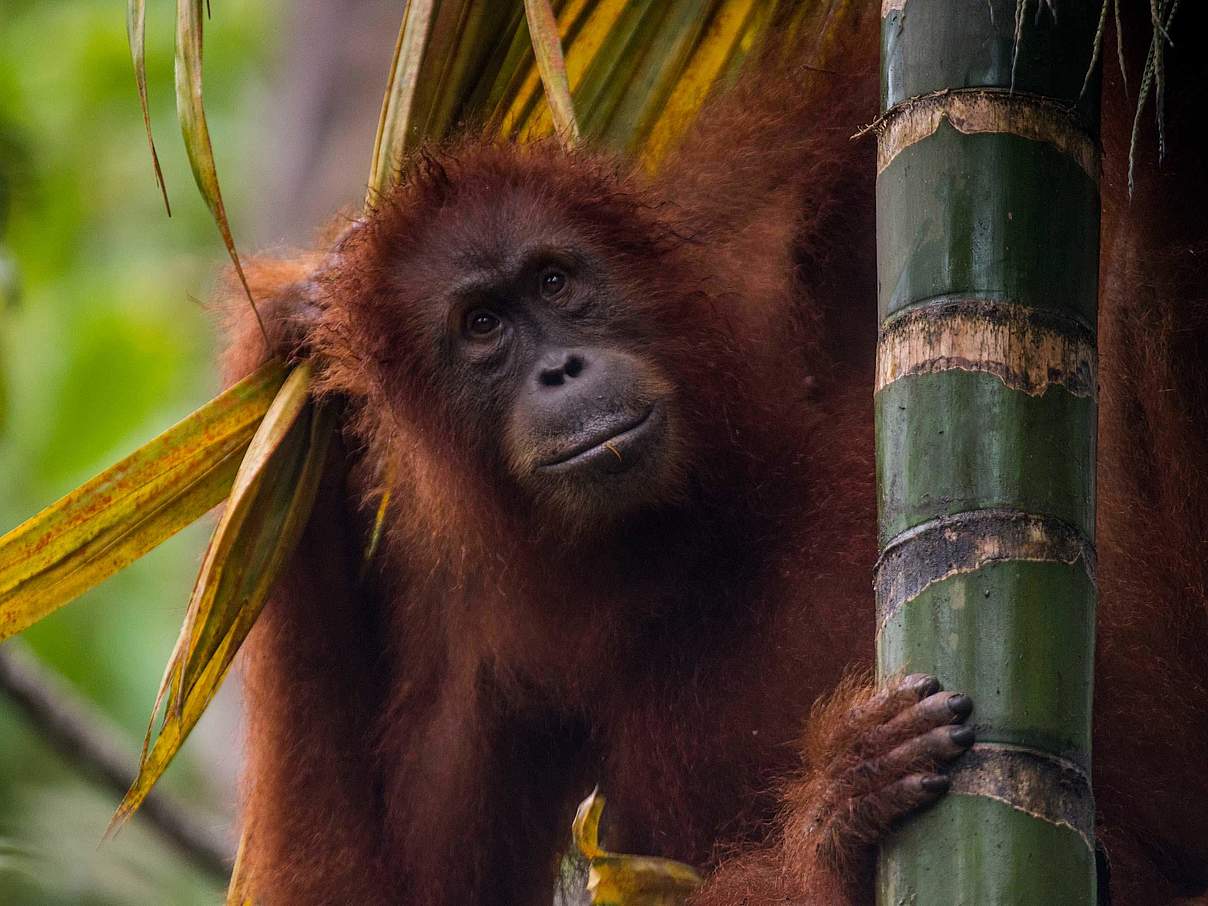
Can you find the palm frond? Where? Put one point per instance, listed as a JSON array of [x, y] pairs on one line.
[[191, 112], [265, 515], [136, 32], [116, 517]]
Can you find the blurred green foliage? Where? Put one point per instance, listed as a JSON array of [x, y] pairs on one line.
[[102, 345]]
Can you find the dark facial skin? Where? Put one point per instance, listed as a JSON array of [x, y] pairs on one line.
[[588, 428]]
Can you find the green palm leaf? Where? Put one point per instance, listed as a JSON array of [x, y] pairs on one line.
[[121, 514]]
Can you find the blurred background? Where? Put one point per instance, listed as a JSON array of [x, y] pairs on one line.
[[105, 341]]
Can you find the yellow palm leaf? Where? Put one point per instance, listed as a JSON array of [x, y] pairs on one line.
[[267, 511], [616, 879], [115, 518]]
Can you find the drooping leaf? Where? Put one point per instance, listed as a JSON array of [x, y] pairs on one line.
[[543, 27], [269, 504], [131, 507], [242, 549], [190, 110], [401, 86], [465, 42], [615, 879], [136, 20]]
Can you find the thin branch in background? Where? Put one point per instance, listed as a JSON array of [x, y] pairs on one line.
[[89, 741]]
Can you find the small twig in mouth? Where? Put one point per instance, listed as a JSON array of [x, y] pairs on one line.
[[613, 450]]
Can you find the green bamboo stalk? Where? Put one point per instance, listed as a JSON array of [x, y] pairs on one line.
[[987, 234]]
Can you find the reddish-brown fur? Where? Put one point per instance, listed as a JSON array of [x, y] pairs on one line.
[[423, 736]]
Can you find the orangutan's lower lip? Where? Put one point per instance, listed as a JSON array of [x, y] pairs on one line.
[[608, 448]]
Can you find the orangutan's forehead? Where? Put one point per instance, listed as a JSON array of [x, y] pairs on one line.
[[510, 216], [486, 267], [505, 236]]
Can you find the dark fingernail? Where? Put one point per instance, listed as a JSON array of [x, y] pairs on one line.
[[936, 783], [962, 736], [926, 684], [960, 705]]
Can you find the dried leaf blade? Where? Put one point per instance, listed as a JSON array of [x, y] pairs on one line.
[[136, 33], [190, 111], [114, 518], [266, 513], [243, 546]]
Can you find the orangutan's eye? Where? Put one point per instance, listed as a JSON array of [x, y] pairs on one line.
[[552, 282], [482, 324]]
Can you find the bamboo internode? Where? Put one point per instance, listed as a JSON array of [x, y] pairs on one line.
[[988, 220]]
